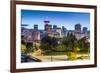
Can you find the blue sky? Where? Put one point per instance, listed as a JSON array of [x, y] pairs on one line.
[[67, 19]]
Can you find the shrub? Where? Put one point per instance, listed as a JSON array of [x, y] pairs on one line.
[[39, 52], [72, 56], [23, 48]]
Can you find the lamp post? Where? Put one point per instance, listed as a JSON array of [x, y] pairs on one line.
[[51, 58]]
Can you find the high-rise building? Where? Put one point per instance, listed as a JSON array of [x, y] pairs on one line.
[[78, 28], [54, 28], [49, 28], [64, 29], [59, 30], [36, 27], [84, 29], [37, 36], [29, 36], [46, 26]]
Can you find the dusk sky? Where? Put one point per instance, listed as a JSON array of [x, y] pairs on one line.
[[66, 19]]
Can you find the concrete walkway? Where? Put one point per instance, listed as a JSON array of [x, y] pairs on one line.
[[52, 58]]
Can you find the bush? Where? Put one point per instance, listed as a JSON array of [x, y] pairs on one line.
[[72, 56], [23, 48], [38, 52]]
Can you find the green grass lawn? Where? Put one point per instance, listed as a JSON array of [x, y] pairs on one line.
[[64, 53], [73, 56]]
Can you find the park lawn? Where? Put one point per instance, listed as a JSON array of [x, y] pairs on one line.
[[77, 56], [64, 53]]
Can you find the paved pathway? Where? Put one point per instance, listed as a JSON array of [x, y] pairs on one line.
[[55, 58], [52, 58]]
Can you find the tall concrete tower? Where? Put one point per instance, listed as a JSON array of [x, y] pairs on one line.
[[46, 26], [78, 28]]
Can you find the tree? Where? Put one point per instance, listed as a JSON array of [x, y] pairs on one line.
[[54, 42], [47, 43], [71, 42], [83, 44]]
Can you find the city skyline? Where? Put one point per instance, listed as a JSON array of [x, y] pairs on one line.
[[66, 19]]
